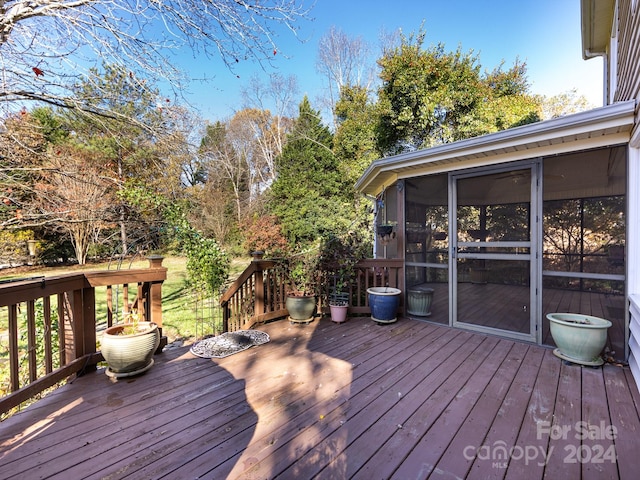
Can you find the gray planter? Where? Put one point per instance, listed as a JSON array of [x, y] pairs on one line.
[[419, 301]]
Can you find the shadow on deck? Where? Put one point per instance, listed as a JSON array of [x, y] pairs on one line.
[[354, 400]]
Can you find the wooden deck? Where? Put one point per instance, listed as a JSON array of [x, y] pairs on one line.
[[355, 400]]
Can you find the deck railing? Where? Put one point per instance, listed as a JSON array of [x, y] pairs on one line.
[[372, 272], [259, 293], [40, 309], [52, 322]]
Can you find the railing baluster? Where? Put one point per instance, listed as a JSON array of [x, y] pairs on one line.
[[31, 341], [109, 306], [13, 347], [62, 329], [125, 300], [48, 351]]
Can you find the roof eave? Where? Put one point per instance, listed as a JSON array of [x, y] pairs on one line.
[[610, 122]]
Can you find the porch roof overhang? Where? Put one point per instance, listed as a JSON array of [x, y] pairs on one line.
[[605, 126], [596, 21]]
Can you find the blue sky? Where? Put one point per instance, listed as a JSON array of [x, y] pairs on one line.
[[543, 33]]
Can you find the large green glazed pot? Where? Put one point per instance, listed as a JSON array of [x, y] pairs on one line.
[[301, 308], [580, 338], [132, 353]]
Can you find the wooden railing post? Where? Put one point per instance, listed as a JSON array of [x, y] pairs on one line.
[[258, 308], [153, 303], [77, 324], [13, 347], [89, 336]]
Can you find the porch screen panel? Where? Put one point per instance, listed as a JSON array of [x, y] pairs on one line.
[[427, 243], [584, 241]]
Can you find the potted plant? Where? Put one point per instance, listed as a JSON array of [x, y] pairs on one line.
[[385, 233], [303, 280], [579, 338], [338, 259], [337, 262], [128, 347]]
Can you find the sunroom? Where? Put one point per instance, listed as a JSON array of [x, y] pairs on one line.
[[500, 230]]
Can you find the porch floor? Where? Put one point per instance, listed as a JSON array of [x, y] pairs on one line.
[[354, 400]]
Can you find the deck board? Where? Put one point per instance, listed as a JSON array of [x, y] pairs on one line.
[[355, 400], [503, 431]]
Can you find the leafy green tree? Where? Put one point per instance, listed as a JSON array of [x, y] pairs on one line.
[[207, 261], [355, 148], [429, 97], [355, 138], [310, 196]]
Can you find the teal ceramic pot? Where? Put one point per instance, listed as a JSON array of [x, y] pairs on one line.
[[579, 338]]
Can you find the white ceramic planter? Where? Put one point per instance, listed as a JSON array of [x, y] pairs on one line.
[[580, 338], [132, 354]]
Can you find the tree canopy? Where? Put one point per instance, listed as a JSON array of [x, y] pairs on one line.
[[269, 177], [429, 97]]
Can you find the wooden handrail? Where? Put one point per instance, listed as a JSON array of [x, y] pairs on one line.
[[70, 298]]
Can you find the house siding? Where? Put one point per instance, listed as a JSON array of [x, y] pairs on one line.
[[634, 339], [627, 87], [628, 52]]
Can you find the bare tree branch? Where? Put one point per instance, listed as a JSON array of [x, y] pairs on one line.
[[48, 46]]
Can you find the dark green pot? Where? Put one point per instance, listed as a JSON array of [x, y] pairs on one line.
[[301, 307]]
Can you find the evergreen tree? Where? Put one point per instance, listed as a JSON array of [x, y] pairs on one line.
[[355, 138], [310, 195]]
